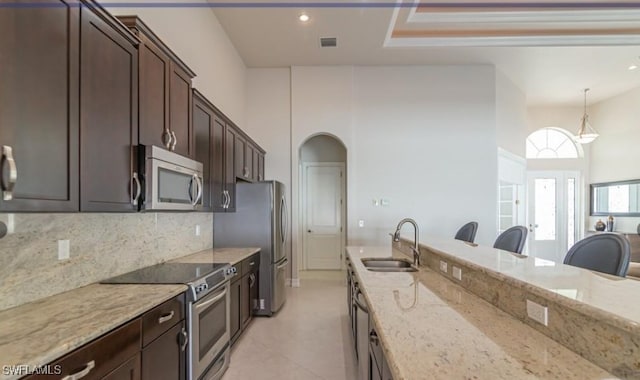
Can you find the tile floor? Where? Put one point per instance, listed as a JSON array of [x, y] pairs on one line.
[[308, 339]]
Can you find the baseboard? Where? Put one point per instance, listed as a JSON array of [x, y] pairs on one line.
[[293, 282]]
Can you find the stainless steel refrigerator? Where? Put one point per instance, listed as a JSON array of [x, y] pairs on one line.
[[260, 221]]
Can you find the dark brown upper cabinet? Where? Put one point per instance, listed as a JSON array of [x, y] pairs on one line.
[[39, 99], [164, 93], [249, 159], [215, 144], [108, 114]]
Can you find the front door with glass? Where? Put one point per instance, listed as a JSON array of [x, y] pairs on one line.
[[552, 215]]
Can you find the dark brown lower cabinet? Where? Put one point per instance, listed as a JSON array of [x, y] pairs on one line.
[[150, 347], [236, 296], [164, 358], [378, 367], [130, 370], [244, 295]]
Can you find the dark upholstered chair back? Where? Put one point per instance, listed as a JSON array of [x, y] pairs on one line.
[[467, 232], [512, 240], [606, 252]]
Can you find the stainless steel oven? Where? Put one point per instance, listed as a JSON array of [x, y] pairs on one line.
[[209, 320], [171, 181]]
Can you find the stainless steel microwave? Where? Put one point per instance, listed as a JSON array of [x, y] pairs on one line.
[[171, 182]]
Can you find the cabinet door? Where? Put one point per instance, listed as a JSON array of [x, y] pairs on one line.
[[255, 165], [108, 117], [236, 295], [130, 370], [240, 168], [203, 126], [245, 300], [254, 291], [154, 94], [229, 166], [248, 161], [165, 358], [39, 105], [260, 167], [218, 158], [180, 97]]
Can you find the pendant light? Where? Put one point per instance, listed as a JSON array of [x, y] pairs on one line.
[[586, 133]]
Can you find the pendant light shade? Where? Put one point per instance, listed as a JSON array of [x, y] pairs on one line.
[[586, 133]]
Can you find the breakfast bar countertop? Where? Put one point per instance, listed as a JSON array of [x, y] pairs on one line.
[[432, 328]]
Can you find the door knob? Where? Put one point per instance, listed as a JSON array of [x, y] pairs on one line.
[[309, 231]]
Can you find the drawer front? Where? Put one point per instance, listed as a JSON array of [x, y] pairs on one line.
[[100, 357], [251, 264], [160, 319], [128, 371]]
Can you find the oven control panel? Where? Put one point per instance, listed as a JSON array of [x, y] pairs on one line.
[[201, 288], [230, 272]]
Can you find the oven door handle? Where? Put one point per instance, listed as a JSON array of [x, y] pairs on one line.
[[217, 297]]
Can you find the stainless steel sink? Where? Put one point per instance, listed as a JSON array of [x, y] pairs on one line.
[[388, 265]]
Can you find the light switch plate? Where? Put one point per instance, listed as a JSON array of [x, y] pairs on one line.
[[63, 249], [457, 273], [538, 312], [443, 266], [197, 230]]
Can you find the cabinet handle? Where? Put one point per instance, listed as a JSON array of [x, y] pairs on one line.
[[84, 372], [252, 278], [259, 177], [185, 339], [7, 156], [246, 172], [252, 263], [167, 138], [224, 199], [228, 199], [175, 141], [134, 199], [373, 338], [166, 317]]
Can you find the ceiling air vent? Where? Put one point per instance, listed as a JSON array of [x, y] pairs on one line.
[[328, 42]]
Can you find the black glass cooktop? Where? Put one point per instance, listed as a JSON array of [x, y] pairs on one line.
[[167, 273]]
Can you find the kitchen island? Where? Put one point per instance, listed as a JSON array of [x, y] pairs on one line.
[[433, 328]]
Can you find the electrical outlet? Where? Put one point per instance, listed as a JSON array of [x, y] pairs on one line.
[[197, 230], [63, 249], [375, 202], [538, 312], [443, 266], [360, 223], [385, 202], [457, 273]]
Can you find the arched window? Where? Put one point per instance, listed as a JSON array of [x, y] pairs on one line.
[[552, 143]]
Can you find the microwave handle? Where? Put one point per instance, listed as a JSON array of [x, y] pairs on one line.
[[198, 184], [134, 199]]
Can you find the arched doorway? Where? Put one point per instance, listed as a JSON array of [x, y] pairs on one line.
[[323, 183]]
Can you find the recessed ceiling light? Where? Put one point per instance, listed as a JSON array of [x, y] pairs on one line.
[[303, 17], [633, 67]]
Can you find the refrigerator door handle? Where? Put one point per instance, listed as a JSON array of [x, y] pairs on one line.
[[284, 264], [284, 222]]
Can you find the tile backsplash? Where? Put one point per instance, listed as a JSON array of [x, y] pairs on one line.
[[100, 246]]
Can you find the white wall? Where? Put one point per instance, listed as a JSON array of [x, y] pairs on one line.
[[269, 124], [615, 155], [511, 116], [196, 36], [423, 137]]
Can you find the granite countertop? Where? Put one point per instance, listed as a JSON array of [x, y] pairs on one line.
[[39, 332], [218, 255], [596, 294], [432, 328]]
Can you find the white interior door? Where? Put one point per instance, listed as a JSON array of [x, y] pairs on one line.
[[552, 213], [323, 215]]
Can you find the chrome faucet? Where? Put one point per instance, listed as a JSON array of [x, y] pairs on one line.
[[415, 249]]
